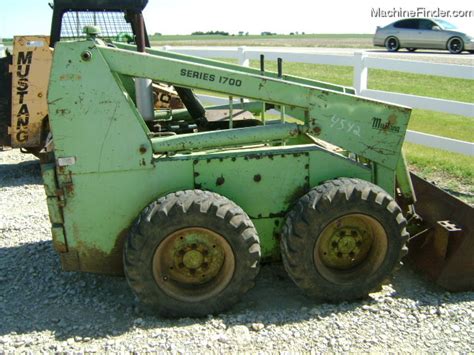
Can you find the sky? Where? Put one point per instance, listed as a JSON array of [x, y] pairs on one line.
[[24, 17]]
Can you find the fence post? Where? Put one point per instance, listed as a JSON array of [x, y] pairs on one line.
[[360, 72], [242, 57]]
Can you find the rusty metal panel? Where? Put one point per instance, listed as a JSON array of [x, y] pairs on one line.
[[444, 251], [55, 213], [59, 241], [30, 69], [48, 172]]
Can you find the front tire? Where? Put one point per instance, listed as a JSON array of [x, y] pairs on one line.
[[455, 45], [392, 44], [192, 253], [342, 239]]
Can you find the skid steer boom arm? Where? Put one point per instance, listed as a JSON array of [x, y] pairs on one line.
[[371, 129]]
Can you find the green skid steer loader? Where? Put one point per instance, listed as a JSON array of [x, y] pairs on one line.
[[188, 201]]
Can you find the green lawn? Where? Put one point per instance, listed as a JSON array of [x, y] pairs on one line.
[[307, 40]]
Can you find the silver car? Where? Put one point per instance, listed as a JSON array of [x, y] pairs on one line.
[[425, 33]]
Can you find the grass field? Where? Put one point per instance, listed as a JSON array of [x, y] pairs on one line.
[[307, 40]]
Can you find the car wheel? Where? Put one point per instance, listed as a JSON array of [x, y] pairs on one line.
[[411, 49], [455, 45], [392, 44]]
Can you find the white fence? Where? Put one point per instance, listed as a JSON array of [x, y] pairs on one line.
[[361, 62]]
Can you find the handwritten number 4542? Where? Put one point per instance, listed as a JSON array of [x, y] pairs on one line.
[[342, 124]]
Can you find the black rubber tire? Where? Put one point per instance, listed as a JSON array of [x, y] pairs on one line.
[[323, 205], [455, 45], [392, 44], [411, 49], [184, 209]]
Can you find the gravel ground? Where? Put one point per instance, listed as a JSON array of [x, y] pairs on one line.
[[45, 309]]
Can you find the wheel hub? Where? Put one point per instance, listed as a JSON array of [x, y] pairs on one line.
[[345, 243], [193, 259]]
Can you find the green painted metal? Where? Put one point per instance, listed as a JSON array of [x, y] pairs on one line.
[[216, 63], [109, 166], [366, 127], [263, 182], [231, 137]]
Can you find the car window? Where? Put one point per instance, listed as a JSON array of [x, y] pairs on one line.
[[446, 25], [426, 25], [410, 23]]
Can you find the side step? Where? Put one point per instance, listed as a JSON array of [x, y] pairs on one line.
[[444, 249]]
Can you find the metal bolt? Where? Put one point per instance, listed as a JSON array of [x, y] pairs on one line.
[[86, 56], [220, 180], [257, 178]]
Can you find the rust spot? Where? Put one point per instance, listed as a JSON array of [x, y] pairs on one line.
[[142, 149], [91, 259], [63, 111], [69, 188], [220, 180], [66, 77], [317, 130], [297, 193]]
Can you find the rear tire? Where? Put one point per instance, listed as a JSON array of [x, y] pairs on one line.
[[392, 44], [191, 253], [455, 45], [342, 239]]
